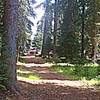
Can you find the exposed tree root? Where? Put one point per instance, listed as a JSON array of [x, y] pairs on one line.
[[15, 92]]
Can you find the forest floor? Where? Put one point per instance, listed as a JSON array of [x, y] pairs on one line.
[[52, 86]]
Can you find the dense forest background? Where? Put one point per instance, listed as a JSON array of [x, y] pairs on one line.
[[69, 32], [71, 29]]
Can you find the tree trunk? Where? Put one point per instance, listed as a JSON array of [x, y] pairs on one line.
[[83, 28], [93, 32], [94, 47], [55, 26], [44, 51], [9, 42]]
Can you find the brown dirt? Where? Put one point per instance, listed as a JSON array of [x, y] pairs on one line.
[[57, 92], [53, 86], [32, 59], [2, 96]]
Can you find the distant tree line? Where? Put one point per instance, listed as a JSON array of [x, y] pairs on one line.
[[71, 28]]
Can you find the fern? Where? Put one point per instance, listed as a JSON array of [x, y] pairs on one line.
[[2, 78], [2, 87]]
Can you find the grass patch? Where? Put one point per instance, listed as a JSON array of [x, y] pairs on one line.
[[93, 82], [66, 71], [80, 72], [28, 75]]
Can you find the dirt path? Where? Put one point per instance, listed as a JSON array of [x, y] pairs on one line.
[[57, 92], [54, 86], [48, 76]]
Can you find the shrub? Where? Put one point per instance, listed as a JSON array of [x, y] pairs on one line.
[[2, 86]]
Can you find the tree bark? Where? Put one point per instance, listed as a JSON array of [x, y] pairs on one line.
[[94, 47], [83, 28], [9, 42], [44, 51], [55, 26]]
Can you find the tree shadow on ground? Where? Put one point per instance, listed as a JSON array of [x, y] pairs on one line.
[[44, 73], [53, 86], [48, 91]]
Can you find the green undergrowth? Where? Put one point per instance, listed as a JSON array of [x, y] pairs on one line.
[[28, 75], [2, 86], [3, 77], [91, 73]]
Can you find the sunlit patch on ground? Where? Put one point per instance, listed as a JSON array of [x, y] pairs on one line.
[[78, 84], [33, 64], [43, 82], [43, 75], [26, 75]]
